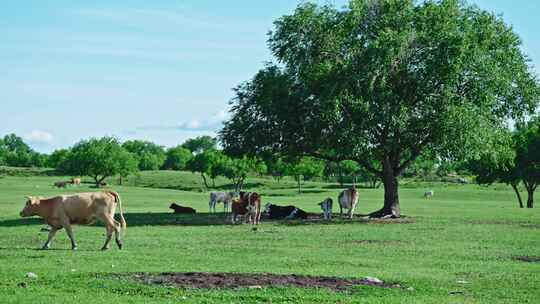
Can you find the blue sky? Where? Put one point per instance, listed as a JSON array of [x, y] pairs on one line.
[[155, 70]]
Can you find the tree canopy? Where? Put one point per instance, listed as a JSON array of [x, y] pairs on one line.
[[100, 158], [381, 83], [200, 144], [149, 155]]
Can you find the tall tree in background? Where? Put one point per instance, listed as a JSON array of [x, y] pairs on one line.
[[305, 168], [380, 83], [99, 159], [149, 155], [177, 158], [200, 144], [514, 161]]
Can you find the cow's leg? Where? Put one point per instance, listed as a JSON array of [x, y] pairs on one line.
[[118, 235], [340, 210], [52, 233], [110, 230], [69, 231]]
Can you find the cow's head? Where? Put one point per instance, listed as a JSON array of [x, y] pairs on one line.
[[326, 205], [267, 208], [173, 206], [31, 207]]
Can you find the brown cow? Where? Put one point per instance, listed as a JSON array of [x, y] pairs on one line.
[[249, 203], [83, 208]]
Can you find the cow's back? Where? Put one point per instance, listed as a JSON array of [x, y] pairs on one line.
[[83, 208]]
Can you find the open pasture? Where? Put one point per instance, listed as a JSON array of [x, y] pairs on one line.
[[461, 246]]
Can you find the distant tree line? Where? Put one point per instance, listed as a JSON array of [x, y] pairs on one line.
[[516, 162]]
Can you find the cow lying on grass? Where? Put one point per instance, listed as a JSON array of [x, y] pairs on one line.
[[326, 206], [284, 212], [181, 209], [60, 184], [249, 205], [83, 208]]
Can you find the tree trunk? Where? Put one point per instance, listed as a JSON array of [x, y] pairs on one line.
[[530, 196], [205, 181], [299, 185], [120, 179], [390, 208], [213, 182], [515, 187]]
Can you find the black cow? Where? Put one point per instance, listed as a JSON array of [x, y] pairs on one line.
[[284, 212], [181, 209]]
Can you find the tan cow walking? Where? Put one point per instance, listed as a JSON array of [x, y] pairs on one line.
[[83, 209]]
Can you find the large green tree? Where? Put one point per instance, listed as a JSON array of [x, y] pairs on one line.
[[381, 82], [177, 158], [99, 159], [200, 144], [150, 156]]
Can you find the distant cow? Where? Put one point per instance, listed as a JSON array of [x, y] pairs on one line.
[[60, 184], [429, 194], [326, 206], [181, 209], [83, 208], [348, 199], [287, 212], [249, 204], [220, 197], [76, 181]]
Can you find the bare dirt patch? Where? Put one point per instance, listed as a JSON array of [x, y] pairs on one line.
[[204, 280], [528, 259]]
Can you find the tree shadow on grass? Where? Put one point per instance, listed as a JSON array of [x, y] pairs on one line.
[[146, 219], [215, 219]]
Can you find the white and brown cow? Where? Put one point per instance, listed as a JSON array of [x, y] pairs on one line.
[[84, 208], [348, 199], [249, 204]]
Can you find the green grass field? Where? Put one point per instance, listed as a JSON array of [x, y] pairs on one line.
[[458, 247]]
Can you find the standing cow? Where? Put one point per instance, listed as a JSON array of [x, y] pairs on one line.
[[76, 181], [249, 204], [348, 199], [220, 197], [326, 207], [83, 208]]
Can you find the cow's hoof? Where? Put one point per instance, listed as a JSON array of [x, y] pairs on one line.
[[74, 248], [104, 248], [45, 248]]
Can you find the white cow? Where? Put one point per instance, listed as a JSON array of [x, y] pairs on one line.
[[348, 199], [429, 194], [220, 197]]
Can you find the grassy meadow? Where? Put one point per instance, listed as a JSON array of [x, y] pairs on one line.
[[458, 247]]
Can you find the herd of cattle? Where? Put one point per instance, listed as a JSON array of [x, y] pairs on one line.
[[248, 205], [84, 208]]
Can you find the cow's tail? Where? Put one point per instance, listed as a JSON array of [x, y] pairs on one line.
[[119, 201]]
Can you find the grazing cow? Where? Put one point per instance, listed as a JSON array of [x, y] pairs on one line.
[[76, 181], [182, 209], [348, 199], [83, 208], [326, 206], [220, 197], [429, 194], [60, 184], [249, 203], [287, 212]]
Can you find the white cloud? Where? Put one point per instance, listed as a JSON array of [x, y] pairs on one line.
[[39, 137]]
